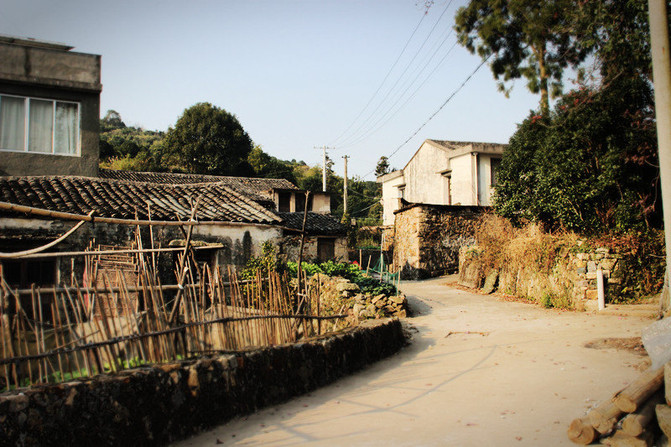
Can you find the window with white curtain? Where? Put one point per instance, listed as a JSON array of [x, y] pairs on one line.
[[39, 125]]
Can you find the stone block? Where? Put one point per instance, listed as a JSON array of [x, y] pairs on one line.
[[608, 264], [490, 282], [591, 294], [581, 270], [346, 286], [591, 266]]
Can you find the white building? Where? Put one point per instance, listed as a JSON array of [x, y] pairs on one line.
[[443, 173]]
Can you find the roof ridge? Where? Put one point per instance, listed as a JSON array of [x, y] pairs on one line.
[[186, 175]]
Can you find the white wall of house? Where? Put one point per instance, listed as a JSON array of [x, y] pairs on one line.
[[485, 179], [443, 173], [424, 183], [462, 187], [390, 195]]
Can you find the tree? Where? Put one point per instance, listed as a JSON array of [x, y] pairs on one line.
[[111, 120], [382, 167], [590, 166], [208, 140], [532, 39], [267, 166]]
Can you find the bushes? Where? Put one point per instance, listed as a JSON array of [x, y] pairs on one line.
[[555, 269], [350, 272]]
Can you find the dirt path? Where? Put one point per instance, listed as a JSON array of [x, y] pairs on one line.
[[479, 372]]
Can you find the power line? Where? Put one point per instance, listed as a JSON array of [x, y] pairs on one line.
[[385, 78], [387, 116], [391, 89], [434, 113]]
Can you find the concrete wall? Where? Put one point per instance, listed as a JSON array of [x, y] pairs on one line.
[[58, 75], [157, 405], [321, 202], [485, 189]]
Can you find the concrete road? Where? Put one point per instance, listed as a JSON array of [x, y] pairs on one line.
[[480, 372]]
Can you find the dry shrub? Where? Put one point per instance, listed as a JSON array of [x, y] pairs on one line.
[[518, 248], [492, 233]]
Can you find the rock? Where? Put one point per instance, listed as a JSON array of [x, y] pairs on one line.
[[358, 308], [491, 282], [359, 298], [377, 298], [401, 314], [380, 303], [398, 299], [346, 286]]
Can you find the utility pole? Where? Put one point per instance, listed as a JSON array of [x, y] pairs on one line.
[[324, 149], [345, 157], [661, 74]]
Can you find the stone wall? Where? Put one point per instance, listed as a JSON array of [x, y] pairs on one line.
[[157, 405], [571, 282], [239, 242], [427, 238]]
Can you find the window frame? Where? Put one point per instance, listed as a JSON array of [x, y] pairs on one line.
[[26, 126]]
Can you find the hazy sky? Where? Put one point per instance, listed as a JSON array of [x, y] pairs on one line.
[[296, 73]]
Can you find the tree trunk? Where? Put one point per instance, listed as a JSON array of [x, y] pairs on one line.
[[635, 423], [633, 396]]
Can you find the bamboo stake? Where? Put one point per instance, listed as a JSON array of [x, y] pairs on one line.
[[78, 317], [40, 336], [69, 323], [4, 330]]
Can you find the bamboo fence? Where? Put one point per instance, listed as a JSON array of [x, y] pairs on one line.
[[65, 332]]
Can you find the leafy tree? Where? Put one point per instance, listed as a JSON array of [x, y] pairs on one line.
[[590, 166], [267, 166], [111, 120], [382, 167], [525, 39], [208, 140]]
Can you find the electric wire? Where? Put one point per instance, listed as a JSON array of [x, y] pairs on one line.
[[400, 77], [468, 78], [405, 47], [384, 119]]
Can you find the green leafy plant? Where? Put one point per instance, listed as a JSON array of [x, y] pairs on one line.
[[267, 262]]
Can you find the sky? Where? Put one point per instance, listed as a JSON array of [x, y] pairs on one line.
[[367, 78]]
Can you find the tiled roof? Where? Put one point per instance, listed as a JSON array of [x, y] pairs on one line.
[[258, 189], [123, 199], [316, 223]]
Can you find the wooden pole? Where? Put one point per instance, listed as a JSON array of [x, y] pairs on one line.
[[633, 396], [300, 252]]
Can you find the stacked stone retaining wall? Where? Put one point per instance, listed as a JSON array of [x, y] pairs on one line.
[[428, 238], [157, 405]]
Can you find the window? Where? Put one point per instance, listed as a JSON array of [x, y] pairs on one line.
[[39, 125], [496, 163], [285, 202]]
